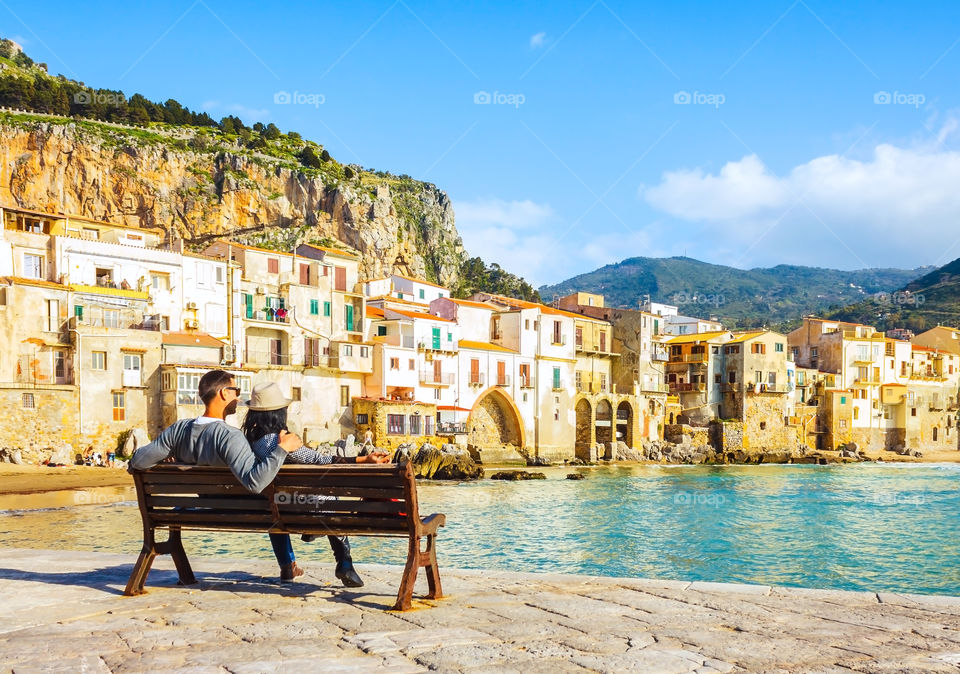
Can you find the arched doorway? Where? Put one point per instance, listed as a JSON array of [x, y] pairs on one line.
[[625, 423], [494, 422], [584, 427], [935, 433], [604, 423]]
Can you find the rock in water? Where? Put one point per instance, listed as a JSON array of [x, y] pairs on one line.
[[576, 476], [517, 475], [433, 463]]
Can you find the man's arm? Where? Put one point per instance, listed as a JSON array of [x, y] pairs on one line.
[[253, 472], [162, 448]]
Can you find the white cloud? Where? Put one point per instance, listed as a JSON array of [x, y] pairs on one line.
[[898, 207], [522, 214], [538, 40]]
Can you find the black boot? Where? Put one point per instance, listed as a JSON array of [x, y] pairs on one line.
[[345, 571]]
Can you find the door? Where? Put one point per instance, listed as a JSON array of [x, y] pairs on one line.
[[437, 372], [474, 370], [436, 338], [501, 373], [340, 278], [603, 341], [131, 369], [304, 274], [276, 355]]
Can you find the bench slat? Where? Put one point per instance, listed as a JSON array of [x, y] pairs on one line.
[[344, 506], [189, 501]]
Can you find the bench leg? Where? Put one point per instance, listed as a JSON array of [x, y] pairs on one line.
[[140, 570], [433, 571], [405, 595], [180, 558]]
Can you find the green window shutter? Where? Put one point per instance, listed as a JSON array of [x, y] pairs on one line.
[[449, 336], [436, 338], [556, 377], [381, 330], [348, 315], [314, 307], [248, 302], [326, 308], [282, 302], [422, 293], [78, 311], [843, 400]]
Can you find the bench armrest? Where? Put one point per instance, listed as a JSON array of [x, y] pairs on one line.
[[430, 524]]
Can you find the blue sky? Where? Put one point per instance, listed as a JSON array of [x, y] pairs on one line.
[[751, 134]]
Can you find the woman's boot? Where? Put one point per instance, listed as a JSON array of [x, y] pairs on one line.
[[345, 571]]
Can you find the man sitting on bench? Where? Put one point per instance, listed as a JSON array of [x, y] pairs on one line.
[[209, 441]]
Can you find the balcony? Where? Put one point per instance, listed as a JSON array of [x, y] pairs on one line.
[[687, 387], [658, 353], [451, 428], [594, 348], [356, 327], [526, 382], [316, 360], [502, 380], [562, 340], [268, 316], [476, 379], [431, 378], [654, 388]]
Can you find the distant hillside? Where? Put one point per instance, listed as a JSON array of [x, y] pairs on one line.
[[932, 299], [739, 297]]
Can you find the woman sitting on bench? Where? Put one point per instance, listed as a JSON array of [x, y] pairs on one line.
[[266, 417]]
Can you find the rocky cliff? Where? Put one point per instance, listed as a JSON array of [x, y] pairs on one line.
[[198, 186]]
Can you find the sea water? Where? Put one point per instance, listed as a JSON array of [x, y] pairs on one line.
[[892, 527]]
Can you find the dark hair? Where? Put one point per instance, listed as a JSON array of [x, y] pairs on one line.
[[258, 423], [211, 383]]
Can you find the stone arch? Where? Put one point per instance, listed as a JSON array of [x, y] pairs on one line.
[[584, 427], [494, 421], [624, 422], [604, 421]]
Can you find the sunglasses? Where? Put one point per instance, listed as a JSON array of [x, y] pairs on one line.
[[235, 389]]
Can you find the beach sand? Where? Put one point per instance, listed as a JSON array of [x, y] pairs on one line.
[[16, 479]]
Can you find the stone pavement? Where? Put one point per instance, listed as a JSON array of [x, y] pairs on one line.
[[63, 611]]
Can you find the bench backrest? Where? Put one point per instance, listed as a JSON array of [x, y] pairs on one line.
[[342, 499]]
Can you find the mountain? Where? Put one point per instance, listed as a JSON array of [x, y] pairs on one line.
[[69, 148], [739, 297], [932, 299]]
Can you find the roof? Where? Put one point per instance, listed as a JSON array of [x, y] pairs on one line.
[[484, 346], [79, 218], [376, 312], [191, 339], [40, 283], [419, 280], [398, 300], [416, 314], [334, 251], [471, 304], [697, 337], [745, 336], [524, 304], [452, 408]]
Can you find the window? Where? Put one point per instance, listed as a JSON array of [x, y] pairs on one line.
[[111, 318], [578, 337], [415, 423], [758, 348], [557, 338], [296, 393], [556, 378], [475, 377], [842, 423], [412, 364], [435, 338], [422, 293], [98, 360], [556, 415], [26, 401], [273, 265], [772, 378], [311, 351], [526, 324], [913, 411], [524, 374], [856, 413], [763, 425], [436, 395], [131, 369], [394, 363], [363, 419], [843, 400], [813, 352], [220, 275], [450, 339], [381, 331], [395, 424], [364, 351], [732, 377], [347, 350], [717, 378], [326, 308], [603, 381], [78, 312], [53, 315], [119, 406], [314, 307], [160, 281], [340, 278], [344, 396], [778, 347], [32, 266]]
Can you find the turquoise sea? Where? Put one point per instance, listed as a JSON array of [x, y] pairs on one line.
[[891, 527]]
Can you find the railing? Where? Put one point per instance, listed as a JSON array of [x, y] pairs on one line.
[[436, 378], [268, 316], [687, 387], [654, 388], [268, 358], [562, 342], [659, 354], [121, 322], [315, 360], [690, 358], [526, 382], [358, 326], [503, 380], [131, 378], [452, 428], [31, 372], [476, 379]]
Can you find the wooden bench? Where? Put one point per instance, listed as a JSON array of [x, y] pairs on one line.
[[371, 500]]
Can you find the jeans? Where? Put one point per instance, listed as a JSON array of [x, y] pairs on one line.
[[283, 548]]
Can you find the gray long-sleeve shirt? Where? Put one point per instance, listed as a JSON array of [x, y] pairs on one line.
[[212, 444]]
